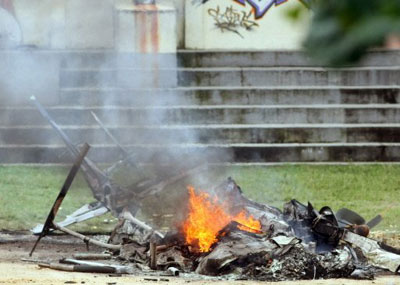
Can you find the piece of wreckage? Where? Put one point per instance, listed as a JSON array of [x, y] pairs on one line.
[[222, 233]]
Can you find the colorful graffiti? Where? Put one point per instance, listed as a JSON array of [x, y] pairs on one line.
[[261, 6], [232, 20]]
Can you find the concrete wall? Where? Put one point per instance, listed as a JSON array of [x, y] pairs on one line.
[[40, 40], [87, 24], [226, 24], [61, 24], [42, 22]]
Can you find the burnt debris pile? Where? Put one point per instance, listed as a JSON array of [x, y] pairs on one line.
[[219, 232]]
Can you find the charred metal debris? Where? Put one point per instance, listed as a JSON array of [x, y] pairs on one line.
[[299, 242]]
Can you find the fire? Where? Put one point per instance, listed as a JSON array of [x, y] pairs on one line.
[[207, 216], [247, 223]]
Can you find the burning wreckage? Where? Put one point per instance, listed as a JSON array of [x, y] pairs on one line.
[[221, 231]]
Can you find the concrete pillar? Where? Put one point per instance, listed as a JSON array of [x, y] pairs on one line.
[[149, 33], [145, 28]]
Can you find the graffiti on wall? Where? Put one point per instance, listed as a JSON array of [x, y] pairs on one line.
[[232, 20], [260, 7]]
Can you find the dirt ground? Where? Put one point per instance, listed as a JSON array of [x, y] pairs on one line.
[[14, 269]]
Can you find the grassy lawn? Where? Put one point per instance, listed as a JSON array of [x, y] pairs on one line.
[[367, 189], [27, 193]]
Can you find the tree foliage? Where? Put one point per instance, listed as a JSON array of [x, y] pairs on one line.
[[343, 30]]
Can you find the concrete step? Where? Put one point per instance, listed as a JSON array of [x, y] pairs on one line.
[[184, 96], [117, 78], [214, 134], [250, 107], [289, 76], [121, 78], [239, 153], [218, 58], [92, 58], [100, 59], [230, 76], [190, 58], [195, 115]]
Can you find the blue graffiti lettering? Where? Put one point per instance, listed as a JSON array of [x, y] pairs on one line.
[[261, 6]]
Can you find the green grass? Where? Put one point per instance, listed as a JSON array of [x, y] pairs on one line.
[[366, 189], [27, 193]]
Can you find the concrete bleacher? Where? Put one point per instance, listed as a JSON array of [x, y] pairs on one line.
[[261, 106]]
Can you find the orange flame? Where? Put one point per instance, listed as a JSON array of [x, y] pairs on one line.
[[207, 217]]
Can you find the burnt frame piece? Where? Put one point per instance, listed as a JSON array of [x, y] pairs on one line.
[[63, 192]]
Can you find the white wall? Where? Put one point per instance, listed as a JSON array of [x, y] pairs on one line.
[[89, 24], [42, 22], [58, 24]]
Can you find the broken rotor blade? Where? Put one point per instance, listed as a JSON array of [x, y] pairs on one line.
[[123, 269], [71, 147], [63, 192], [129, 157], [109, 134], [78, 268], [350, 217], [374, 222], [87, 164], [78, 216]]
